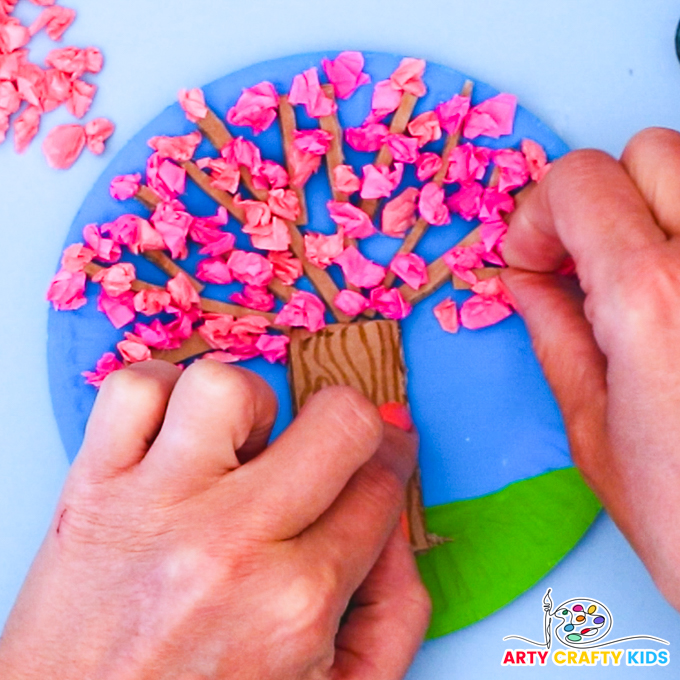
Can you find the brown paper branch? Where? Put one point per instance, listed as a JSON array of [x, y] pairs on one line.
[[150, 199], [190, 348], [281, 290], [421, 226], [226, 200], [334, 158], [482, 274], [214, 130], [288, 126], [223, 198], [218, 134], [171, 268], [400, 121], [319, 278], [438, 271], [207, 304], [335, 155], [203, 181]]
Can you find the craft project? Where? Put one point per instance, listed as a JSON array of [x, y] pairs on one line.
[[320, 231]]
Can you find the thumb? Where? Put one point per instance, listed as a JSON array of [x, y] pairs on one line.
[[573, 364]]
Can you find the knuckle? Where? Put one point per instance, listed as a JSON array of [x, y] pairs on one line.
[[308, 604]]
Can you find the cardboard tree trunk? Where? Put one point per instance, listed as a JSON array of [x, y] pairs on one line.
[[367, 356]]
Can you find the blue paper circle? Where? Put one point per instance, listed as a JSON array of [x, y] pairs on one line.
[[484, 412]]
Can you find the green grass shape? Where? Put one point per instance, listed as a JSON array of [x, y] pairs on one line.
[[502, 545]]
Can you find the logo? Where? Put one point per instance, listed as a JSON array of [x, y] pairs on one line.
[[583, 625]]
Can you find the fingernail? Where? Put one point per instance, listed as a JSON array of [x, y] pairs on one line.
[[405, 525], [397, 414]]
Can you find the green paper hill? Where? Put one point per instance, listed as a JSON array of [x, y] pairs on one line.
[[502, 545]]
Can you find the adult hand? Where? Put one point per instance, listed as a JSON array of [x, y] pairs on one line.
[[611, 353], [169, 559]]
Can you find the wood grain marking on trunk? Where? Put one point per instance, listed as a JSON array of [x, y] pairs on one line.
[[365, 355], [331, 379], [344, 378], [373, 396], [348, 358]]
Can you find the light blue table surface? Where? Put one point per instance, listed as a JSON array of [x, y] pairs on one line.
[[595, 71]]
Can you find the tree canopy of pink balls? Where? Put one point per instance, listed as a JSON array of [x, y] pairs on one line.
[[277, 261]]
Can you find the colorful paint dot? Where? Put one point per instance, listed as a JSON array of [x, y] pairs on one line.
[[592, 609], [598, 620], [569, 628], [565, 612], [585, 631], [574, 637], [580, 619], [578, 608]]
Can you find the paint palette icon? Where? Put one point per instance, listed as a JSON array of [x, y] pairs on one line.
[[582, 622]]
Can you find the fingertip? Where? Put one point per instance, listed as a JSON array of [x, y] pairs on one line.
[[135, 387], [650, 139], [652, 159], [515, 279]]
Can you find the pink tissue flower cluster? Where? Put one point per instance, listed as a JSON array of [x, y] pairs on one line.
[[454, 186], [28, 91]]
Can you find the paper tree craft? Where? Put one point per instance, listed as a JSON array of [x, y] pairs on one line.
[[307, 297]]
